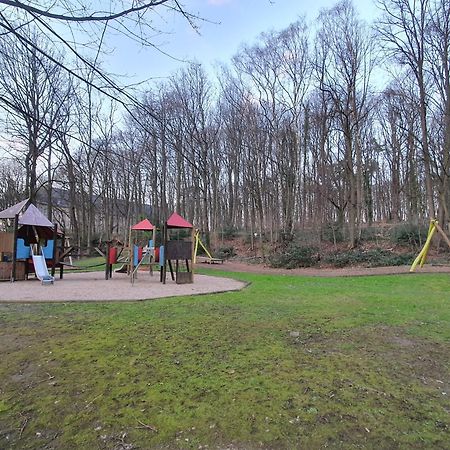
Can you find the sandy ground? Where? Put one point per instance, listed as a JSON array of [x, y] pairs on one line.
[[92, 286]]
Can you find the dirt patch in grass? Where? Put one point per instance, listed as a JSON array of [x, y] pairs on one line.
[[398, 352]]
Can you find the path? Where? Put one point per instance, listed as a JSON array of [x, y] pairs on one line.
[[235, 266]]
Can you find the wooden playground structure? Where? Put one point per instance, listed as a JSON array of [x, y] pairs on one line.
[[30, 243]]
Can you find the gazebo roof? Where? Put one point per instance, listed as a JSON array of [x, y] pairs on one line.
[[143, 225], [176, 221], [12, 211], [32, 216]]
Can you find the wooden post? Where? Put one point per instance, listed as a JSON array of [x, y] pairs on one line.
[[130, 253], [108, 246], [154, 243], [193, 244], [164, 268], [14, 255], [61, 265], [54, 253]]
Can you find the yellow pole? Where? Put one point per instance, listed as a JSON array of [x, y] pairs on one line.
[[198, 241], [433, 228], [422, 256], [196, 246]]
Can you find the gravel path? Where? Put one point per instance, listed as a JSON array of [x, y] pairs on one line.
[[92, 286], [235, 266]]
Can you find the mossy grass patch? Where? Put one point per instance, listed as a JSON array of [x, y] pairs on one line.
[[289, 362]]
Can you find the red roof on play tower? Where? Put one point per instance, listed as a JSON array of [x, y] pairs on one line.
[[176, 221], [144, 225]]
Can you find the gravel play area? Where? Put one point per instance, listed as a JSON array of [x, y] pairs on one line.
[[92, 286]]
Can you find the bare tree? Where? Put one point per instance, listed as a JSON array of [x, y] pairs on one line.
[[403, 28], [344, 70], [33, 91], [438, 59]]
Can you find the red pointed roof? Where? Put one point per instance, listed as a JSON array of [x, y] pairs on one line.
[[143, 225], [176, 221]]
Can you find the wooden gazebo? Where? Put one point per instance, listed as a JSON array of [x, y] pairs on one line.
[[22, 225], [180, 251]]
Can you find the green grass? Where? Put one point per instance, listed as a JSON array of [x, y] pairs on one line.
[[90, 264], [289, 362]]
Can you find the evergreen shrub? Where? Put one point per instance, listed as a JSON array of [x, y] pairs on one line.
[[294, 256], [409, 234]]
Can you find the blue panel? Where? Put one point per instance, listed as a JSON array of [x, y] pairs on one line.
[[135, 255], [48, 249], [161, 256], [150, 243], [23, 251]]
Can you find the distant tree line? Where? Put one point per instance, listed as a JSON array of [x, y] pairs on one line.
[[299, 130]]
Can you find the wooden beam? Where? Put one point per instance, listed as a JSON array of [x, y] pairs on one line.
[[54, 254], [14, 255], [108, 246], [442, 233], [99, 251]]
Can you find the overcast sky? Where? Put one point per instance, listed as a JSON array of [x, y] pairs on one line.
[[231, 23]]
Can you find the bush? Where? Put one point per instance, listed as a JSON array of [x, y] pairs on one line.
[[294, 256], [225, 252], [229, 233], [332, 232], [370, 234], [409, 234], [368, 258]]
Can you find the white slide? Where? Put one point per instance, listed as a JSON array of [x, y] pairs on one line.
[[41, 271]]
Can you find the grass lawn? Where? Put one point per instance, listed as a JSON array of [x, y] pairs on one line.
[[289, 362], [89, 264]]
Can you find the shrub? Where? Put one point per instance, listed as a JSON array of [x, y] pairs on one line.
[[225, 252], [294, 256], [332, 232], [368, 258], [229, 233], [370, 234], [409, 234]]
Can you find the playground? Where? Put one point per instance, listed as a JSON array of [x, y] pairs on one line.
[[31, 244], [92, 286], [311, 361]]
